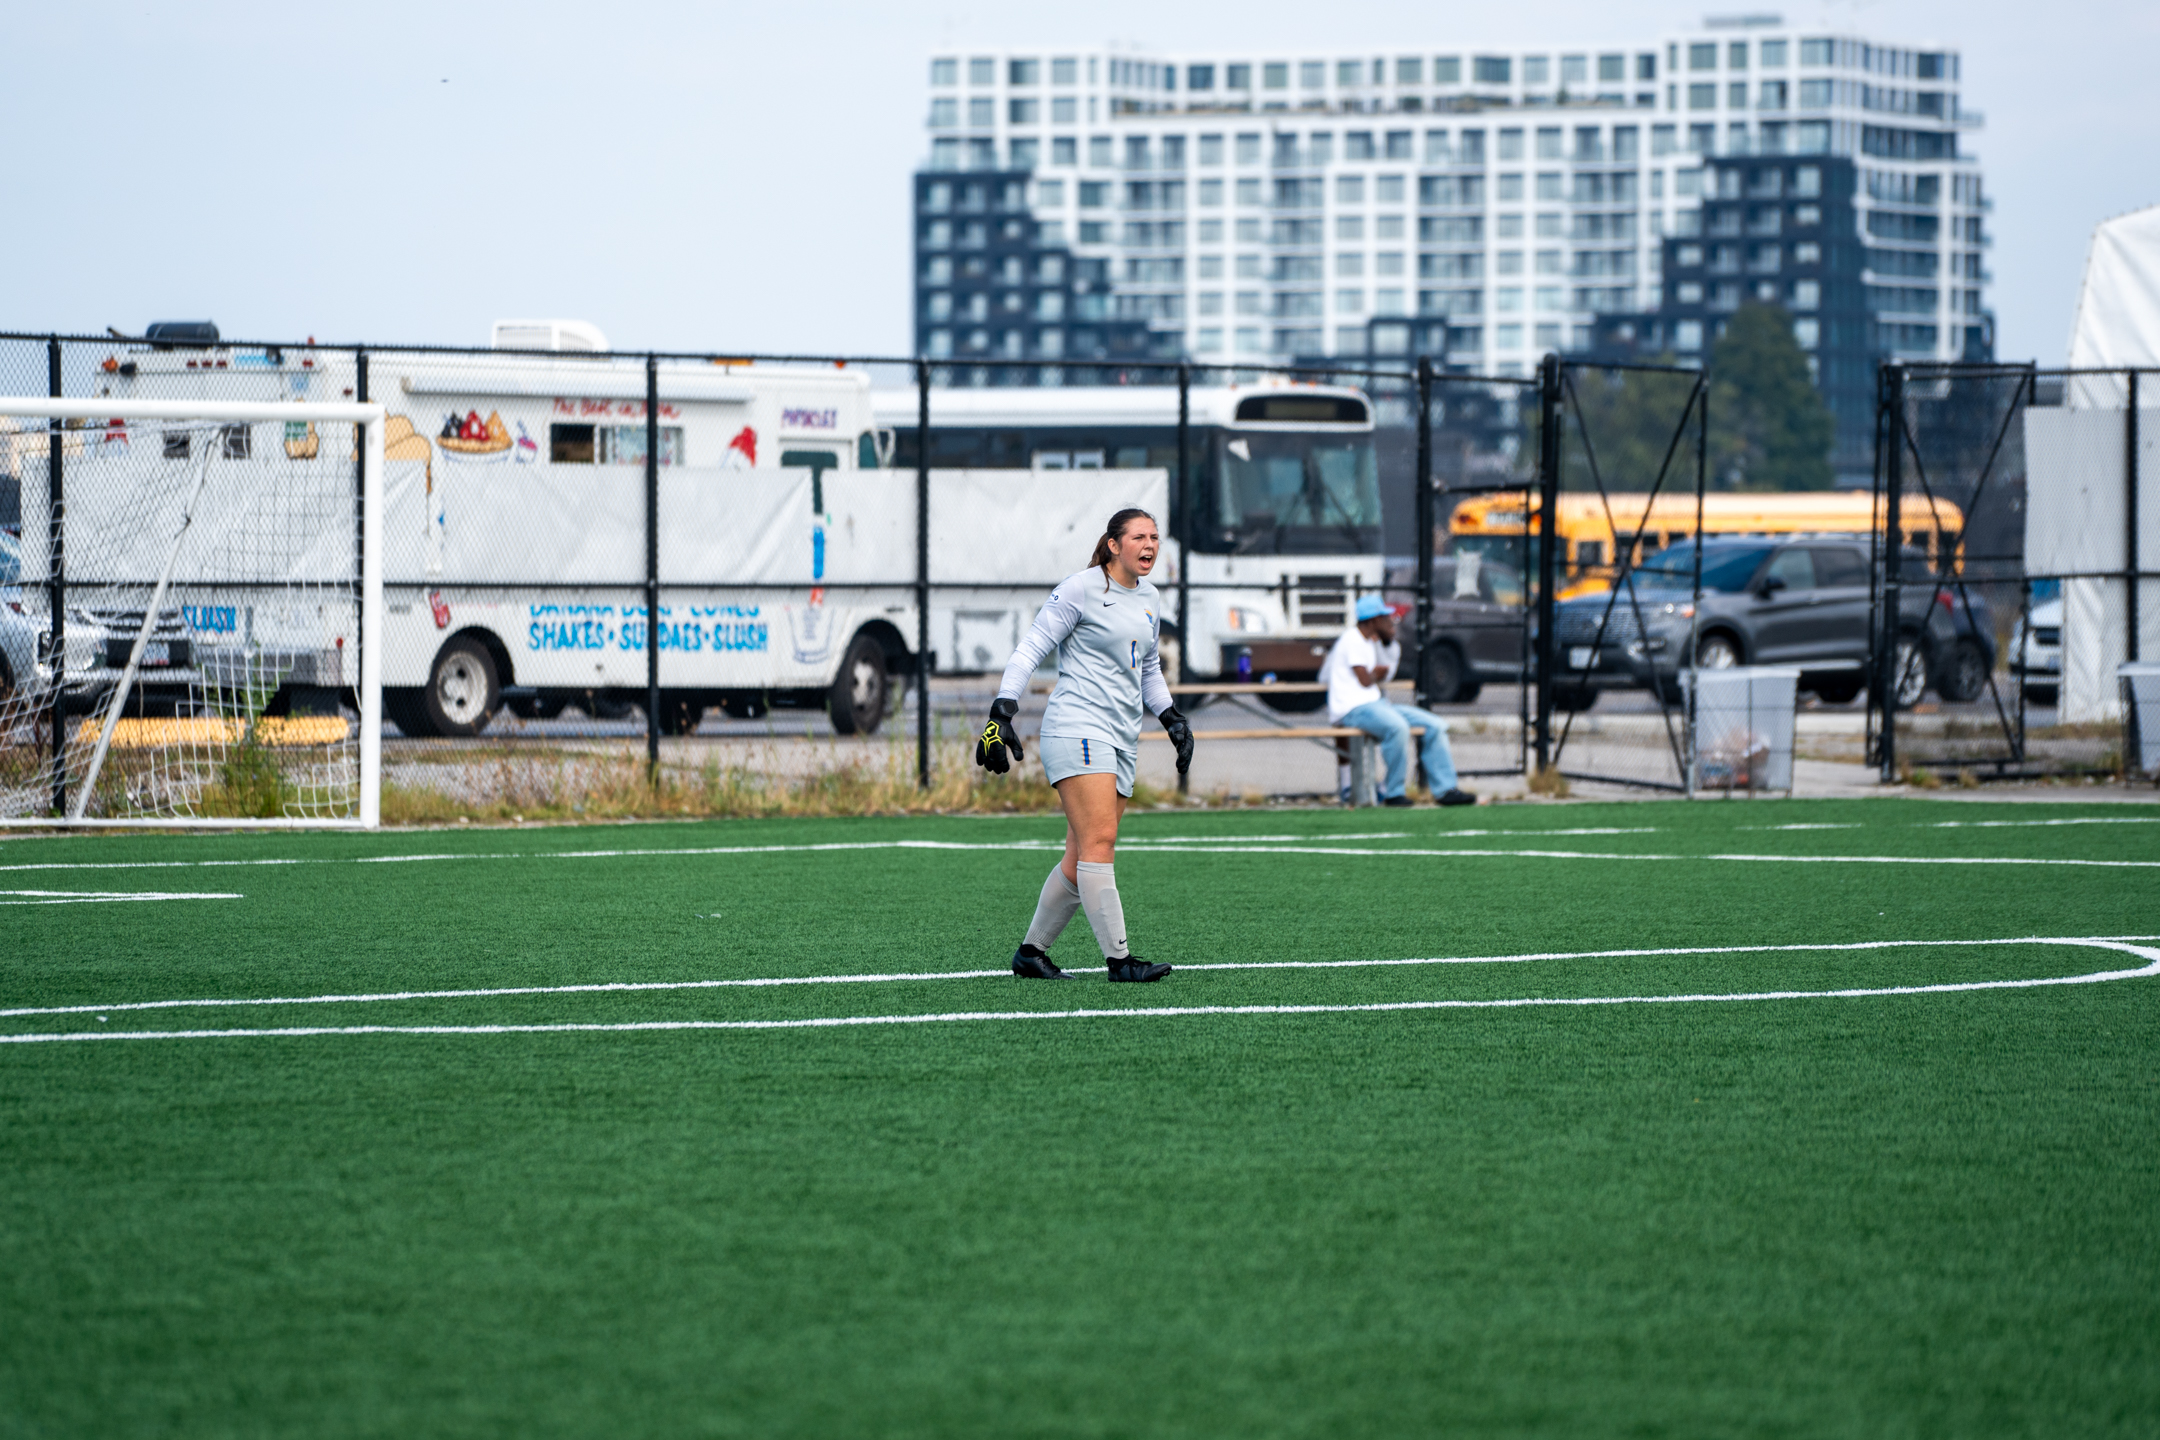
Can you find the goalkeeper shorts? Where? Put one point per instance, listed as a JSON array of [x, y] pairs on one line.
[[1065, 756]]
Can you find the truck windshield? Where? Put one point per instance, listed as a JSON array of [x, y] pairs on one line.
[[1724, 567], [1298, 494]]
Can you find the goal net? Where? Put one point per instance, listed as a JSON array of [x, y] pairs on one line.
[[190, 613]]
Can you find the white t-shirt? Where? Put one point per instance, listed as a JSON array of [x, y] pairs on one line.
[[1344, 692]]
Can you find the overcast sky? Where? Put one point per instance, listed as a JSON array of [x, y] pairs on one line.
[[735, 177]]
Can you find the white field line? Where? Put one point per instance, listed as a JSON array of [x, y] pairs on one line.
[[104, 897], [2014, 824], [638, 986], [1229, 846], [2150, 955]]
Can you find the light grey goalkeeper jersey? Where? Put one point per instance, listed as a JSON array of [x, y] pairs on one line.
[[1109, 674]]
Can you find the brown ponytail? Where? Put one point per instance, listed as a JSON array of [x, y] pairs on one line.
[[1115, 530]]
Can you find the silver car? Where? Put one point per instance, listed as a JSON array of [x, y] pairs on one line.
[[168, 679]]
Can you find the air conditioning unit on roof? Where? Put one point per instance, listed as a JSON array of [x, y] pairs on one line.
[[548, 335]]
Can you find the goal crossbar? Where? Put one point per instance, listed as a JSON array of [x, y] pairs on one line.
[[370, 418]]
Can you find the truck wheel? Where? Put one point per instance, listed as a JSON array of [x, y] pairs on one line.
[[679, 717], [1837, 692], [1444, 672], [861, 689], [463, 691], [1574, 697]]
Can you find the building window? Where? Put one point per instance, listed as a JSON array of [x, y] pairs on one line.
[[1575, 69], [1508, 186], [1507, 337], [944, 114], [1549, 226], [1812, 137], [1275, 75], [1237, 77], [1736, 95], [1773, 54], [1702, 97], [982, 70], [1549, 185], [1808, 333], [1210, 150], [1211, 232], [944, 154], [1687, 335], [1537, 70], [1663, 139], [1736, 55], [1388, 189], [1548, 262], [1816, 52], [945, 72], [1211, 192], [1508, 298], [1064, 110], [1388, 227], [1350, 227], [1387, 302], [1025, 154], [1702, 56], [1398, 145], [1023, 72], [1065, 151], [1611, 68], [1102, 152], [1064, 71], [1349, 189], [1409, 70], [1806, 295], [1248, 340], [1773, 95], [1358, 145], [1248, 149], [1688, 292], [1050, 192], [1208, 339], [1447, 70], [1312, 75], [1349, 302], [1646, 67], [1492, 69], [1200, 77]]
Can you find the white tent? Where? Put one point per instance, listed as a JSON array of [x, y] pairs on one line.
[[2076, 514]]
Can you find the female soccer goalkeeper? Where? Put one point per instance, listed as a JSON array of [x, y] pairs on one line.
[[1104, 625]]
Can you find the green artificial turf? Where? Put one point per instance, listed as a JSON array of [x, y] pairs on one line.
[[1918, 1215]]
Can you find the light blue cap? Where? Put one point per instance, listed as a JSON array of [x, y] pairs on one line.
[[1372, 607]]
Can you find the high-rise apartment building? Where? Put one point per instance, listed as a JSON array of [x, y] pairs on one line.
[[1479, 207]]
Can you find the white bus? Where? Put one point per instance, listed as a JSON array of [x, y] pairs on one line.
[[1284, 510], [514, 554]]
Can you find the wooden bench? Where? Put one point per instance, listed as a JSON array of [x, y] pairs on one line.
[[1363, 749]]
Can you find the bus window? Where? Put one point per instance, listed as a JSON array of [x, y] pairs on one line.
[[1589, 554], [1053, 460], [866, 450], [1087, 460], [1273, 485], [1132, 457]]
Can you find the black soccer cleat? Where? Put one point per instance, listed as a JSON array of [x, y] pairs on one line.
[[1456, 797], [1134, 970], [1030, 963]]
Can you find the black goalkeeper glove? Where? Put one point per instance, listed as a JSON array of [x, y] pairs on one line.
[[1180, 734], [997, 737]]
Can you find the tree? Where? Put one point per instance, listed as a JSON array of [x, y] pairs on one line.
[[1769, 429]]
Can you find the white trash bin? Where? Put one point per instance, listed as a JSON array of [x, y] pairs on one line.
[[1742, 735], [2140, 682]]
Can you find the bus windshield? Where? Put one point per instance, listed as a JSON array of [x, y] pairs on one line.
[[1309, 494], [1724, 567]]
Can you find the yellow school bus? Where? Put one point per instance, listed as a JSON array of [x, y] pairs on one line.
[[1593, 543]]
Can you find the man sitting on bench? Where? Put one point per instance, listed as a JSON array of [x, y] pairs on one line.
[[1364, 656]]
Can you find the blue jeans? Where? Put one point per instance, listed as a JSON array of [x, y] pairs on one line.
[[1390, 725]]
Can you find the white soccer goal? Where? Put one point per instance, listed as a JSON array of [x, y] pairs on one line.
[[190, 619]]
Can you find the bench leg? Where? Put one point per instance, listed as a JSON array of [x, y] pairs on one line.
[[1364, 774]]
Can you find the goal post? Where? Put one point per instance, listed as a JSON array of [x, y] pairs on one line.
[[191, 614]]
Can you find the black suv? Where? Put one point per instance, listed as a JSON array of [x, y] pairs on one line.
[[1801, 602]]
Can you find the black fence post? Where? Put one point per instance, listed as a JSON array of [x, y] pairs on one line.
[[2131, 561], [922, 574], [1702, 483], [1182, 508], [1886, 658], [1548, 540], [361, 639], [1423, 511], [56, 578], [652, 567]]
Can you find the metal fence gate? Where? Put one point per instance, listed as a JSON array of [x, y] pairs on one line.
[[2014, 569]]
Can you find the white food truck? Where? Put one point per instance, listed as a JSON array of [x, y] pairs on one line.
[[515, 534]]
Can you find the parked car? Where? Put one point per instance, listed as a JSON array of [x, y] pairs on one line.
[[2036, 652], [1803, 602], [167, 681], [1478, 619]]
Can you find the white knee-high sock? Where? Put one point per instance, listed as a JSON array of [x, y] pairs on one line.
[[1054, 911], [1105, 912]]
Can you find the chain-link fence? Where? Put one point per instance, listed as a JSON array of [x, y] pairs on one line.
[[686, 559], [2017, 555]]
